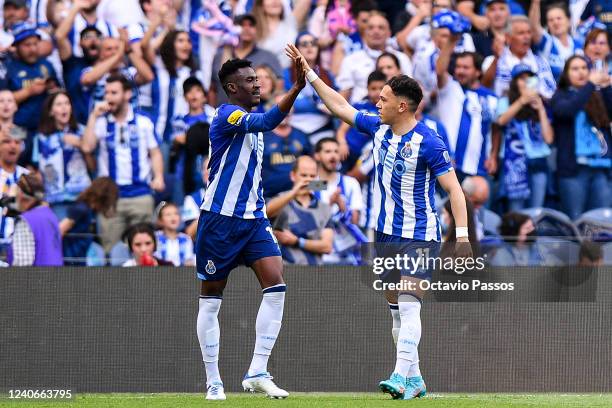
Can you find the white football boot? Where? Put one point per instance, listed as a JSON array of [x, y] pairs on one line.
[[263, 383], [214, 391]]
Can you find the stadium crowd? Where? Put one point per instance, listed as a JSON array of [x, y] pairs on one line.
[[105, 107]]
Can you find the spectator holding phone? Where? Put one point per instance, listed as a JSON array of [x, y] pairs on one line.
[[581, 110], [527, 134], [302, 225]]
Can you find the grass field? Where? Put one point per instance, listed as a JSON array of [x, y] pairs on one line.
[[326, 400]]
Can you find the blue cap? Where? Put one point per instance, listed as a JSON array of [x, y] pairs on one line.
[[520, 69], [489, 2], [452, 20], [23, 30]]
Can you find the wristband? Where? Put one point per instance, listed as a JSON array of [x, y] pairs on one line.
[[461, 232], [301, 243], [311, 76]]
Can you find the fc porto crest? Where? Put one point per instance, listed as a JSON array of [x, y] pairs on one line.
[[406, 151], [210, 267]]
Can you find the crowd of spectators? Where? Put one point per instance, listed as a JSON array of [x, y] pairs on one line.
[[105, 107]]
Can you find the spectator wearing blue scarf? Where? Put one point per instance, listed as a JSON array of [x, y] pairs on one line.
[[581, 110], [527, 133]]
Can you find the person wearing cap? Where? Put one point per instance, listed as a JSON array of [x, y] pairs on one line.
[[10, 171], [246, 49], [497, 14], [37, 240], [30, 76], [527, 134], [466, 108], [497, 68], [18, 11]]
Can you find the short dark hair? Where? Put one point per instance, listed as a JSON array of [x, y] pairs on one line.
[[125, 83], [140, 228], [192, 82], [320, 143], [403, 85], [476, 58], [376, 76], [229, 68], [364, 5]]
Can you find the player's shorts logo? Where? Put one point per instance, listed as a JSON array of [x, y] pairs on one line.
[[210, 267], [406, 151]]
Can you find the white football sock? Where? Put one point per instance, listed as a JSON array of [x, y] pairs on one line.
[[267, 327], [397, 323], [409, 335], [208, 336]]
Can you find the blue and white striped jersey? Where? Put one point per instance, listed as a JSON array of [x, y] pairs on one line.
[[552, 49], [467, 116], [123, 153], [405, 173], [236, 145], [179, 250]]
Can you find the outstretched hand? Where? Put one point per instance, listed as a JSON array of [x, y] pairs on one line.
[[300, 74], [300, 61]]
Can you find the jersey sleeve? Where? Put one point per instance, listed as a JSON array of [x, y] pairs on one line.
[[234, 119], [367, 123], [437, 157]]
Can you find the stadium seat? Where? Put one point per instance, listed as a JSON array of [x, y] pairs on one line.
[[596, 225], [552, 223], [119, 254], [95, 255]]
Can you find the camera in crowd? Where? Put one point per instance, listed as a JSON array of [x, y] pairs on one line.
[[8, 206], [455, 22]]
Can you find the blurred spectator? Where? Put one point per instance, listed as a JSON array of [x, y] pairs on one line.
[[37, 240], [581, 110], [527, 134], [76, 227], [476, 190], [188, 144], [519, 234], [353, 77], [497, 14], [420, 39], [57, 153], [8, 107], [87, 16], [246, 49], [109, 62], [282, 147], [142, 244], [497, 68], [417, 13], [348, 44], [597, 49], [388, 64], [268, 83], [16, 12], [29, 76], [128, 153], [591, 254], [192, 203], [302, 225], [309, 114], [447, 223], [343, 194], [161, 19], [91, 40], [466, 108], [556, 44], [10, 171], [172, 245], [278, 24], [176, 63], [350, 141]]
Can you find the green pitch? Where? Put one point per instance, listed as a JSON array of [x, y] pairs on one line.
[[351, 400]]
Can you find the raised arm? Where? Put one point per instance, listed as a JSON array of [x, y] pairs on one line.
[[444, 60], [336, 104], [534, 20]]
